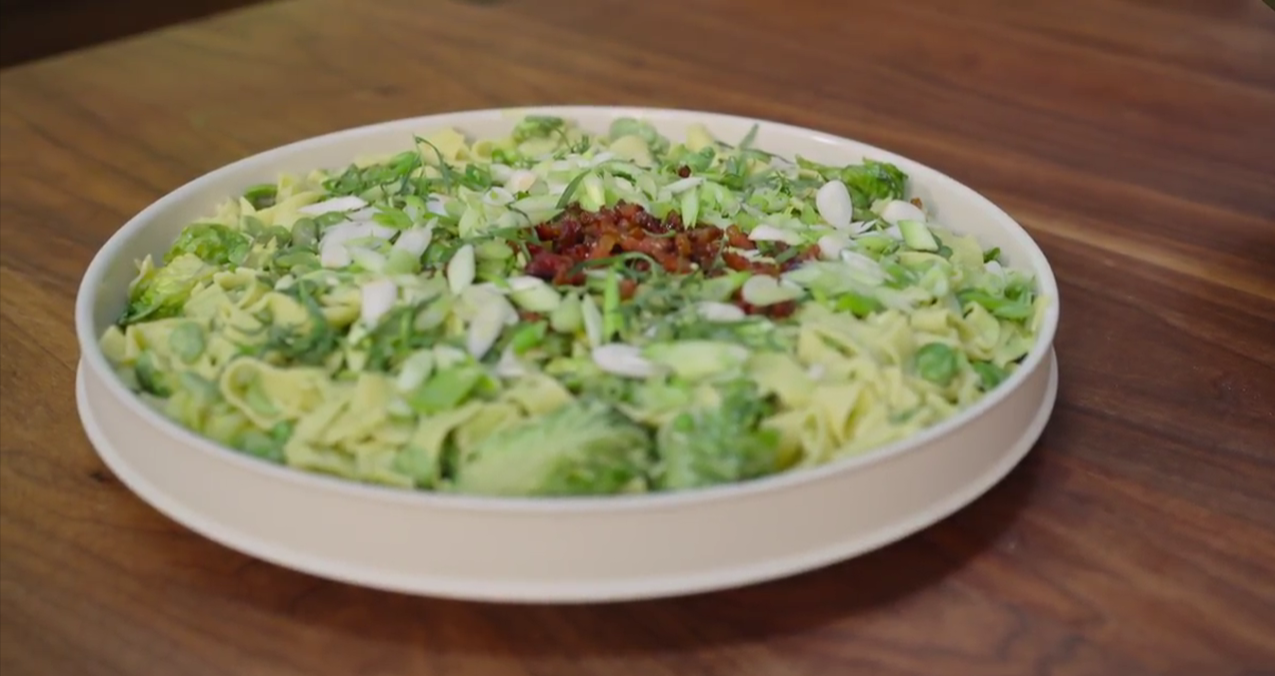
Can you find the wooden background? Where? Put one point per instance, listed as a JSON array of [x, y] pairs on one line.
[[1135, 139], [36, 29]]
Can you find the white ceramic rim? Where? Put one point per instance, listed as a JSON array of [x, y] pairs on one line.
[[504, 591], [93, 358]]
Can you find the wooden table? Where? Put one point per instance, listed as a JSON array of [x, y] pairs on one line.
[[34, 29], [1135, 139]]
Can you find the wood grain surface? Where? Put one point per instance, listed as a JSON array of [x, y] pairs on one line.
[[1135, 139], [34, 29]]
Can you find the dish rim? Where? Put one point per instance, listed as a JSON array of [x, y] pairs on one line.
[[91, 288]]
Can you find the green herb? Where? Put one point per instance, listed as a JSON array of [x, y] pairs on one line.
[[899, 276], [405, 165], [395, 337], [1020, 291], [612, 261], [698, 162], [443, 167], [571, 188], [858, 304], [528, 337], [579, 146], [304, 345], [441, 250], [992, 254], [393, 218], [539, 126], [734, 174], [476, 178], [391, 178], [755, 333], [1004, 308], [787, 255]]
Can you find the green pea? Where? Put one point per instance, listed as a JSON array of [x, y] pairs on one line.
[[989, 374], [860, 305], [305, 232], [937, 363], [528, 337], [187, 341], [293, 258], [261, 196], [278, 233]]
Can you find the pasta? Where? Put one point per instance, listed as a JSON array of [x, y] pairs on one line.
[[557, 312]]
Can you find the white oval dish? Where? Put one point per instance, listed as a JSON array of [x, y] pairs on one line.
[[555, 550]]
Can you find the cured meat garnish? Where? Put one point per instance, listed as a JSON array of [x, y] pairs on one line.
[[576, 236]]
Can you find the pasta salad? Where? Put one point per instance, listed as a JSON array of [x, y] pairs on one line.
[[557, 312]]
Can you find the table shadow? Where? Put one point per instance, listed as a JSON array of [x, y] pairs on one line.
[[790, 606]]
